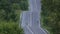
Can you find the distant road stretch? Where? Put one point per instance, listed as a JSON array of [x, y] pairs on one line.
[[31, 19]]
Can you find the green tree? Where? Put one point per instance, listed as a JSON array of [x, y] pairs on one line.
[[8, 7], [51, 15]]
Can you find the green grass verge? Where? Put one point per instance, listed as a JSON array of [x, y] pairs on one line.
[[51, 16], [11, 27], [45, 27]]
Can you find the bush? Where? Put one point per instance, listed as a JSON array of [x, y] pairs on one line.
[[10, 14], [51, 15], [8, 7], [10, 28]]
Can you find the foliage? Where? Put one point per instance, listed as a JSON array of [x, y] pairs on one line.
[[8, 7], [9, 16], [51, 15], [10, 28]]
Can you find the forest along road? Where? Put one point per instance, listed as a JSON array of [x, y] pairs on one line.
[[31, 19]]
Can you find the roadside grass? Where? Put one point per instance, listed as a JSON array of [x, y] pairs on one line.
[[51, 15], [12, 23], [11, 27], [45, 27]]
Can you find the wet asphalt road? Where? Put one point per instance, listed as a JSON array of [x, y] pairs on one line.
[[31, 19]]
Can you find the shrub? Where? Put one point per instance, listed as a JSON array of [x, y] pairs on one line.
[[51, 15], [10, 28]]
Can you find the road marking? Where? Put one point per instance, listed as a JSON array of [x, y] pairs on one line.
[[30, 30]]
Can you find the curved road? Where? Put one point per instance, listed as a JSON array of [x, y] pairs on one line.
[[31, 19]]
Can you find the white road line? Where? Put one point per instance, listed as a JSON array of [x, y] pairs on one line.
[[43, 30], [30, 29]]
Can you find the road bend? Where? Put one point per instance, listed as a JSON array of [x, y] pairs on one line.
[[31, 18]]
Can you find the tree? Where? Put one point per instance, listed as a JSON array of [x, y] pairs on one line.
[[8, 7], [51, 14]]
